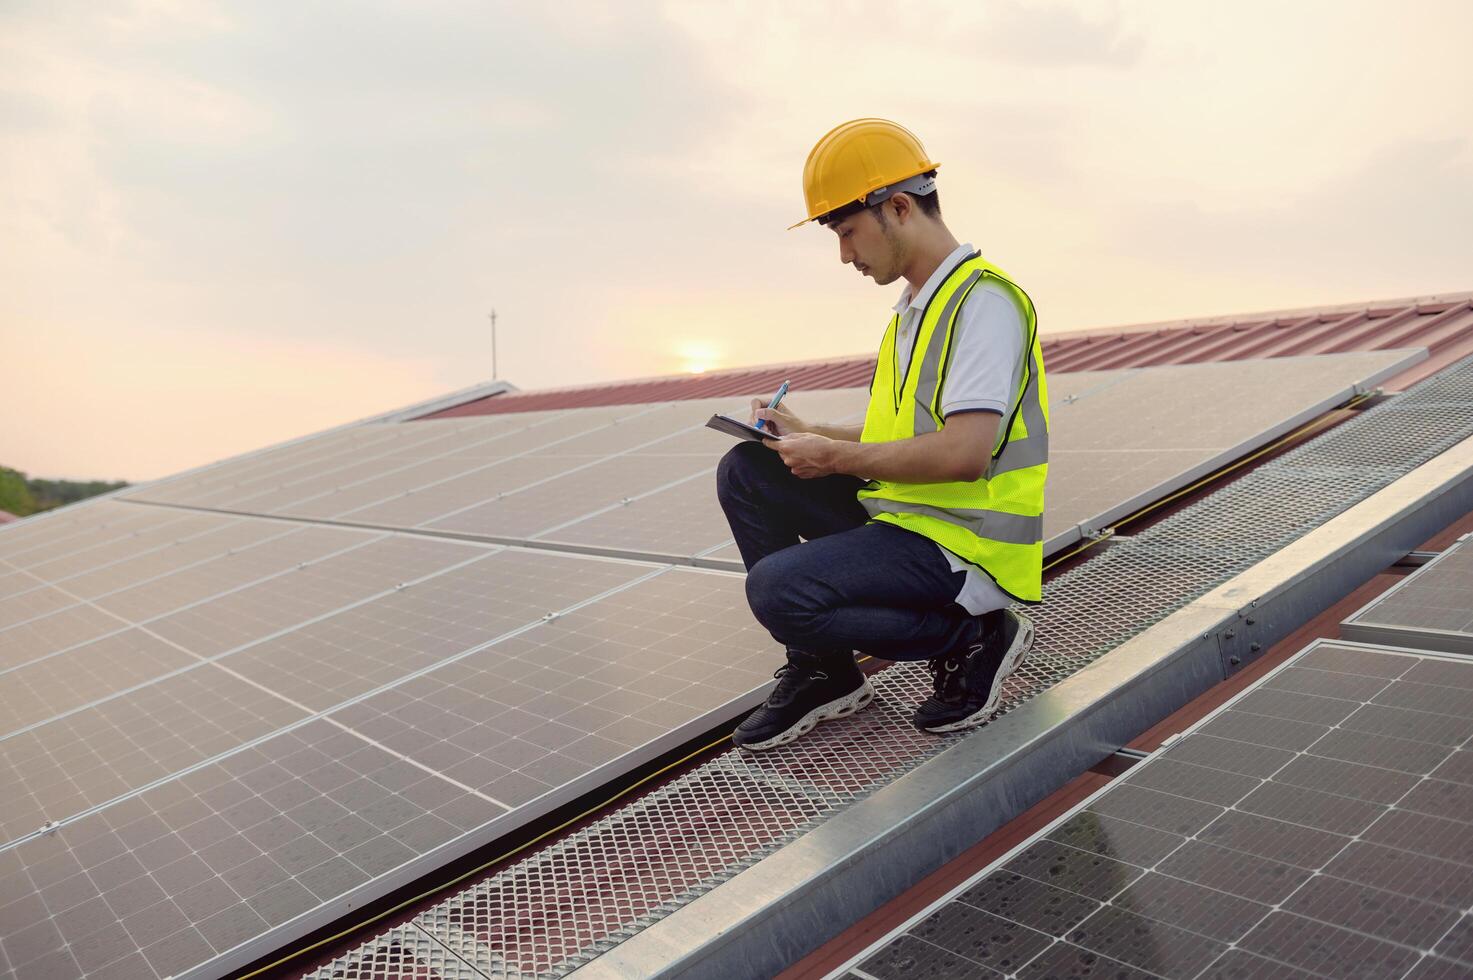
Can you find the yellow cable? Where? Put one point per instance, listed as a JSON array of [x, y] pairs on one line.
[[475, 871]]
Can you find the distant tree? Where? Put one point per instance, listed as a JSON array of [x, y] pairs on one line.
[[23, 496], [57, 493], [15, 495]]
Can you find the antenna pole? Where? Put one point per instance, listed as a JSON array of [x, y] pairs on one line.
[[494, 375]]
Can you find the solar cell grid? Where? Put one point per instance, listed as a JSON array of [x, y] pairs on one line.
[[572, 494], [1431, 609], [308, 592], [89, 757], [164, 876], [552, 429], [33, 603], [487, 480], [54, 635], [178, 488], [416, 448], [354, 652], [75, 556], [200, 864], [223, 536], [682, 520], [220, 484], [1287, 859], [226, 534], [337, 498], [536, 711], [620, 433], [50, 634], [41, 690], [95, 523]]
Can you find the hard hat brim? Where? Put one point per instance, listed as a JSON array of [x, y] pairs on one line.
[[889, 183]]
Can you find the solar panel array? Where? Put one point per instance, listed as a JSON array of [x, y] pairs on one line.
[[272, 715], [1431, 609], [1316, 826], [636, 480], [236, 700]]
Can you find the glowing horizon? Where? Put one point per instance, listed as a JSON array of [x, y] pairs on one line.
[[227, 226]]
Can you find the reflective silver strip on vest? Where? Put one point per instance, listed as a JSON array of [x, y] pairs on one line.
[[994, 525], [931, 363], [1033, 449]]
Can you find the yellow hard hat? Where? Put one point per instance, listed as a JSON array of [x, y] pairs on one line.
[[861, 161]]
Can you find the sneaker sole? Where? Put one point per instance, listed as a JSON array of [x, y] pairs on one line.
[[1022, 644], [854, 701]]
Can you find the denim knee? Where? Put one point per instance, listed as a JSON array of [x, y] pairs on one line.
[[778, 601], [741, 468], [764, 589]]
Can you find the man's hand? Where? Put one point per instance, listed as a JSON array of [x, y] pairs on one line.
[[809, 455], [779, 420]]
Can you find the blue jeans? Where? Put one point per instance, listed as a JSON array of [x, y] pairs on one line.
[[850, 585]]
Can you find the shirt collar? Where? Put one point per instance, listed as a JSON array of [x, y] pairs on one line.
[[920, 299]]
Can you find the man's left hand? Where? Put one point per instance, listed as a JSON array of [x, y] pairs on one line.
[[809, 455]]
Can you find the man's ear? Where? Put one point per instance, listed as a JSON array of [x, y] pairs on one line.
[[902, 206]]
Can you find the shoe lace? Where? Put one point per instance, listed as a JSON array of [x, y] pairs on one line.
[[791, 678], [947, 680]]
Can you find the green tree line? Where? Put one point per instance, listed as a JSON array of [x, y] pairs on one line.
[[23, 496]]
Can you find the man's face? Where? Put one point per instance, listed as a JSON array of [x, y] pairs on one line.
[[871, 247]]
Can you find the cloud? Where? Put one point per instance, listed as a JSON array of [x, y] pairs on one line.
[[1401, 216], [1057, 34]]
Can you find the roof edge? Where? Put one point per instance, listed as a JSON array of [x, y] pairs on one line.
[[1432, 299], [1429, 300]]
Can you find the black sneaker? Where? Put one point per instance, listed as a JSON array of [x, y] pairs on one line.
[[810, 689], [968, 685]]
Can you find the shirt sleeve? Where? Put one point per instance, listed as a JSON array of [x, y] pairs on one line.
[[986, 356]]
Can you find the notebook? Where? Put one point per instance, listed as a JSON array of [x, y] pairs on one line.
[[729, 425]]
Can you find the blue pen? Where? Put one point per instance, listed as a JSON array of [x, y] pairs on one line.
[[781, 390]]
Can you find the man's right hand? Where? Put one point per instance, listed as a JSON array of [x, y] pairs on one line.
[[780, 420]]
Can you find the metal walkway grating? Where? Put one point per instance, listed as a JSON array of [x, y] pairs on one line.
[[561, 907]]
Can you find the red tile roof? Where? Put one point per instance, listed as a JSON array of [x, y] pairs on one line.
[[1443, 324]]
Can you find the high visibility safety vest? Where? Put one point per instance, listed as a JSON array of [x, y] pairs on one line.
[[996, 521]]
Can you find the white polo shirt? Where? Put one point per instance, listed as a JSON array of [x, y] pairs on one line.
[[986, 366]]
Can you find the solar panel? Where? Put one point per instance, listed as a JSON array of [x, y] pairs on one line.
[[1316, 825], [1431, 609], [260, 760], [91, 573], [198, 488], [605, 478], [1131, 437], [1118, 440], [67, 532]]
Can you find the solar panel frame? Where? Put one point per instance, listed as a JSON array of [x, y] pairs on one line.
[[1384, 618], [1203, 863]]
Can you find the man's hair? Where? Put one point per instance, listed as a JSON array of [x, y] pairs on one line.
[[929, 204]]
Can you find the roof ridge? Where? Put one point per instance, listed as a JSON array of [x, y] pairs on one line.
[[1425, 300], [1433, 299]]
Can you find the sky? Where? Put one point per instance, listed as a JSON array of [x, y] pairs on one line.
[[227, 225]]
